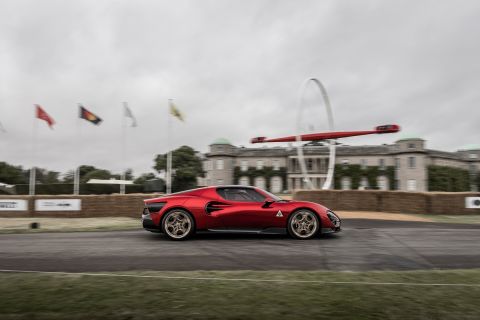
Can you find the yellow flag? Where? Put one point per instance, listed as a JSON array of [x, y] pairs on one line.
[[175, 112]]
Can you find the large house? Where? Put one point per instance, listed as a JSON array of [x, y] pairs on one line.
[[404, 165]]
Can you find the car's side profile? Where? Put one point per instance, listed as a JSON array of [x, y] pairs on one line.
[[235, 209]]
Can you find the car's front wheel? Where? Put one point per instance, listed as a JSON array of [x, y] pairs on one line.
[[303, 224], [178, 224]]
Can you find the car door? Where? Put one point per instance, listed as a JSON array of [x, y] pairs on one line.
[[244, 209]]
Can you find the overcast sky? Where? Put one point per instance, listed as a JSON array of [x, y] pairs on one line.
[[234, 69]]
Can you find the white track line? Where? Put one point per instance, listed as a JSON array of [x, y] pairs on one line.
[[245, 279]]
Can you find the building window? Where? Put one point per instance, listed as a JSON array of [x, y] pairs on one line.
[[411, 162], [346, 183], [220, 164], [298, 183], [309, 164], [363, 163], [276, 184], [382, 183], [219, 182], [411, 146], [276, 165], [259, 164], [381, 163], [363, 183], [397, 163], [293, 165], [260, 182], [244, 165], [244, 181], [412, 185]]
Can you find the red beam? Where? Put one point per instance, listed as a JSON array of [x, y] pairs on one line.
[[390, 128]]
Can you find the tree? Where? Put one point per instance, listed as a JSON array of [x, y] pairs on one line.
[[186, 165], [86, 173], [47, 177], [129, 174], [144, 178], [443, 178], [96, 174], [12, 174]]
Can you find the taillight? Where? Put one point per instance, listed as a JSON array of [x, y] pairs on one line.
[[155, 206]]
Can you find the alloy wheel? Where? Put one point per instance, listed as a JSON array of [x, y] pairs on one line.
[[303, 224], [177, 224]]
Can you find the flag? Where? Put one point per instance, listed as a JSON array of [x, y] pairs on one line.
[[87, 115], [2, 129], [129, 114], [41, 114], [175, 112]]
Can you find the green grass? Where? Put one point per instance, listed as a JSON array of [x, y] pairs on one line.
[[468, 219], [41, 296]]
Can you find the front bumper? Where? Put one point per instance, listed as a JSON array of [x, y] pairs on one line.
[[148, 224], [336, 222], [331, 230]]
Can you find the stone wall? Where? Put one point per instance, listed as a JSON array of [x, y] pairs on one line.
[[391, 201], [128, 205]]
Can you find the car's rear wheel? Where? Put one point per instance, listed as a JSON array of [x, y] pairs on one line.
[[303, 224], [178, 224]]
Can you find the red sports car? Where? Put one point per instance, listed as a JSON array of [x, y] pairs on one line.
[[235, 209]]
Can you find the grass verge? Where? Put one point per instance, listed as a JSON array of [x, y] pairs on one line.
[[50, 296], [21, 225], [467, 219]]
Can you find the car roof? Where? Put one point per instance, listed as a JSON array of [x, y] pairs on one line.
[[233, 186], [196, 190]]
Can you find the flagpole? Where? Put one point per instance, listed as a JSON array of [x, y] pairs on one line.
[[32, 181], [124, 146], [76, 174], [169, 154]]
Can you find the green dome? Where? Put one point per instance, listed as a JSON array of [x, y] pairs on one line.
[[221, 141], [409, 136], [470, 147]]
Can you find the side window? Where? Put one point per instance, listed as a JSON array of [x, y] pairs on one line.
[[240, 194], [411, 162]]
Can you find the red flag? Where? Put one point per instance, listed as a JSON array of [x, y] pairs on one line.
[[41, 114]]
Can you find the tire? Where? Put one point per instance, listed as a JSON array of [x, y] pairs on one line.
[[303, 224], [178, 224]]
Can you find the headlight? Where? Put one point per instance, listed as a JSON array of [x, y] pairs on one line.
[[333, 217]]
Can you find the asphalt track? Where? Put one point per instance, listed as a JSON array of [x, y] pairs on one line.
[[362, 245]]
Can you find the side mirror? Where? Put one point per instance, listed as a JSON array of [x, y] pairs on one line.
[[268, 202]]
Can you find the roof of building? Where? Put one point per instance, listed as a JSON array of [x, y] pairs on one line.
[[408, 136], [340, 151], [349, 150], [443, 154], [221, 141], [264, 152], [470, 147]]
